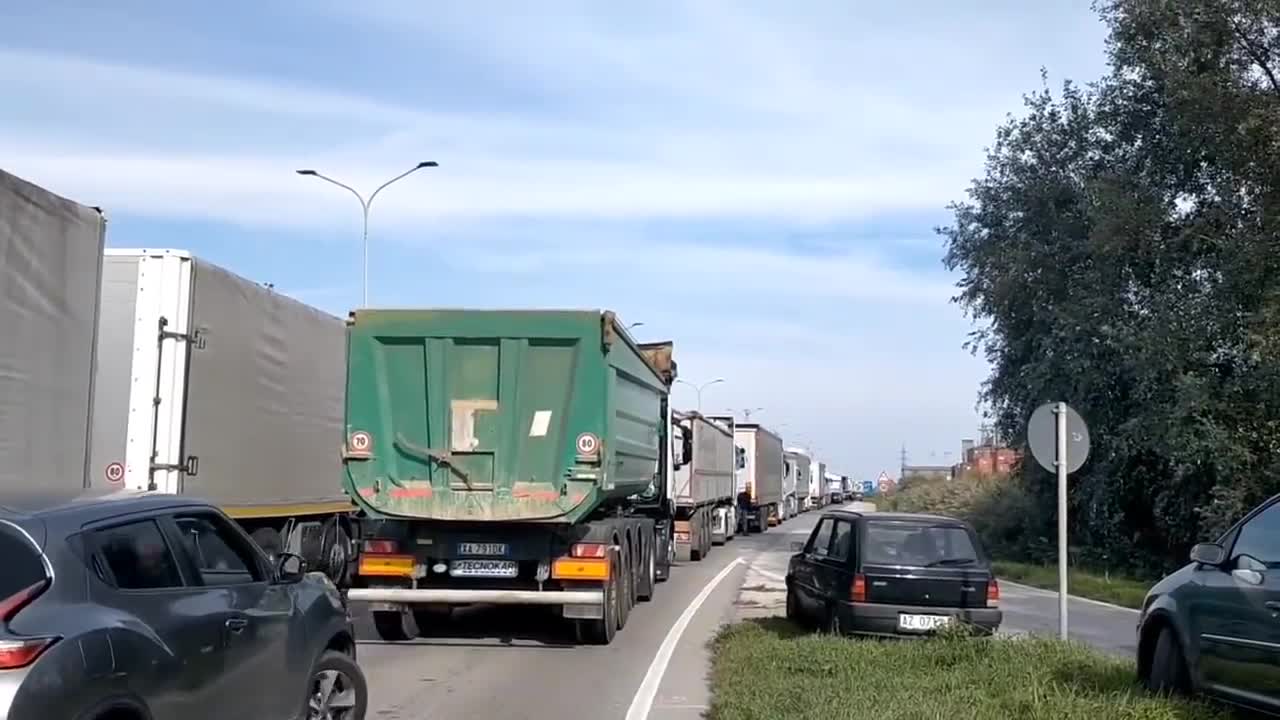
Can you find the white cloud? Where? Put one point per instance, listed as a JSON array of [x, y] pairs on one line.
[[572, 112], [701, 110]]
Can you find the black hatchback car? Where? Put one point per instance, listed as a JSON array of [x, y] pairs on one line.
[[895, 574], [129, 606]]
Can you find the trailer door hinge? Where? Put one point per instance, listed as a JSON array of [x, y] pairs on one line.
[[196, 338], [191, 467]]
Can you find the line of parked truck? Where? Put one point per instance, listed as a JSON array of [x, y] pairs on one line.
[[422, 459]]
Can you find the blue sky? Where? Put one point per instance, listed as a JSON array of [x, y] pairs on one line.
[[755, 180]]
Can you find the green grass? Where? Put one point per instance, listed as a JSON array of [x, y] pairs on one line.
[[1126, 592], [770, 670]]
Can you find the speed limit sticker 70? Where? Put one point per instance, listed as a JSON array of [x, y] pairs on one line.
[[360, 443]]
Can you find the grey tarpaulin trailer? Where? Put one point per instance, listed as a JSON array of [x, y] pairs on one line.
[[212, 385], [50, 272]]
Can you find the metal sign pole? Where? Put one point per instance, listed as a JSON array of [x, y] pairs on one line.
[[1061, 412]]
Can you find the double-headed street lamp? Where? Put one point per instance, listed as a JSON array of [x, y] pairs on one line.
[[699, 388], [364, 206]]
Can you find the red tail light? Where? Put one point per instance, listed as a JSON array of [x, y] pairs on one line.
[[15, 602], [381, 547], [993, 592], [589, 550], [858, 591], [16, 654]]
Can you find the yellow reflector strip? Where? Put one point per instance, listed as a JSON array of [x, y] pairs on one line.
[[386, 565], [580, 569]]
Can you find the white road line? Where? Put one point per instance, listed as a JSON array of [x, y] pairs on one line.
[[648, 689], [1091, 601]]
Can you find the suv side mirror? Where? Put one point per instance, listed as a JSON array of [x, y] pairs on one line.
[[1211, 554], [290, 568]]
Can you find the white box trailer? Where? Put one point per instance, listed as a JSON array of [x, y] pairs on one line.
[[760, 479], [817, 485], [211, 385], [703, 482], [799, 464], [50, 271]]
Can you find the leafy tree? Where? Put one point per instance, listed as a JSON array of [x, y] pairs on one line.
[[1121, 253]]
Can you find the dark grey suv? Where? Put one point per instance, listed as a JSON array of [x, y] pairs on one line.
[[145, 607]]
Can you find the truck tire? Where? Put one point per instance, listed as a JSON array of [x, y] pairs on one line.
[[649, 569], [697, 531], [602, 631], [628, 585], [394, 625]]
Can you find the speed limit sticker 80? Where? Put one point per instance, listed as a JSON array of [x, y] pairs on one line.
[[588, 444], [114, 473]]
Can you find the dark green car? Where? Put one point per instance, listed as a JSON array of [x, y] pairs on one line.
[[1214, 625]]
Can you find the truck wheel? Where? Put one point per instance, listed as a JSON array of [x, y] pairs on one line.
[[626, 586], [602, 631], [697, 530], [649, 573], [394, 625]]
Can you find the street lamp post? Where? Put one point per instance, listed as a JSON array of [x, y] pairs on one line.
[[364, 207], [746, 413], [699, 388]]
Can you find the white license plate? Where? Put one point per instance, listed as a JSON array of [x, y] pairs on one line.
[[484, 568], [470, 548], [922, 623]]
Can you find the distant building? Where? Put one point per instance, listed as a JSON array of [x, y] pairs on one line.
[[931, 472], [987, 459]]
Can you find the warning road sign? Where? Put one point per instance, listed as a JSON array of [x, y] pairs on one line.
[[114, 472]]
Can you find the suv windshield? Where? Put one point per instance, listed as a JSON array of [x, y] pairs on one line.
[[23, 566], [918, 544]]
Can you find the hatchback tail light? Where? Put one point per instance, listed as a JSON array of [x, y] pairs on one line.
[[16, 654], [993, 592], [20, 653], [858, 591], [11, 605]]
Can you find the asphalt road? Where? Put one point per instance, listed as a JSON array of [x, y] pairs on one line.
[[519, 663], [1107, 628]]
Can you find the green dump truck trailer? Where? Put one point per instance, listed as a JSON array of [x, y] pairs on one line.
[[506, 457]]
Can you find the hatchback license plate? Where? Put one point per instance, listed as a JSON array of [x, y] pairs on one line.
[[922, 623], [471, 548], [484, 568]]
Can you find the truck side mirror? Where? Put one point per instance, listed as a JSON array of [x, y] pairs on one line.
[[687, 448]]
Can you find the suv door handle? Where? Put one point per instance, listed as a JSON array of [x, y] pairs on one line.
[[1273, 605], [237, 625]]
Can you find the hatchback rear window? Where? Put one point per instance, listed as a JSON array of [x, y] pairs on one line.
[[23, 566], [915, 544]]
